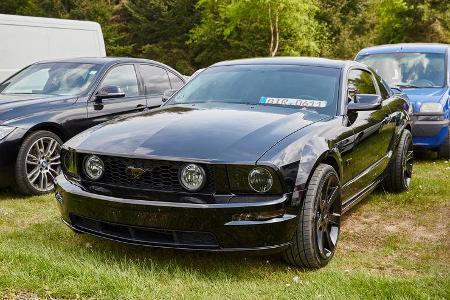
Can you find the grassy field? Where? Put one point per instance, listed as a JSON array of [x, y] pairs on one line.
[[392, 246]]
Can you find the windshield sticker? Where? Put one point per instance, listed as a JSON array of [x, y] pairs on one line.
[[292, 102]]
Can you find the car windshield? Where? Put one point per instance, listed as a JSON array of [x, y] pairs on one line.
[[60, 78], [409, 70], [296, 87]]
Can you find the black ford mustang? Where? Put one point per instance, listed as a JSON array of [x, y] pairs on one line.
[[258, 154]]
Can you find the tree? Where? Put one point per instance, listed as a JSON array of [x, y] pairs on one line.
[[413, 21], [246, 28], [159, 30]]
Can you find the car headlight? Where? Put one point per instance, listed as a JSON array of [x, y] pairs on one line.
[[260, 179], [93, 167], [5, 131], [431, 108], [192, 177]]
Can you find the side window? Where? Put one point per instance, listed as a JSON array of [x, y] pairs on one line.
[[123, 76], [175, 81], [155, 79], [361, 82]]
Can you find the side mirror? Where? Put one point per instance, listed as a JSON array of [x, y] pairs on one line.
[[365, 102], [167, 94], [109, 92]]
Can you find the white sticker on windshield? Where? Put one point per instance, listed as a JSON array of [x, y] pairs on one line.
[[293, 102], [92, 72]]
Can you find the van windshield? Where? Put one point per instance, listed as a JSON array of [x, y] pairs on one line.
[[408, 70], [61, 78]]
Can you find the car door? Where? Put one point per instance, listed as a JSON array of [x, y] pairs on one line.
[[373, 133], [125, 77], [155, 81]]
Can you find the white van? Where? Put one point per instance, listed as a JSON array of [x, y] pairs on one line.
[[25, 40]]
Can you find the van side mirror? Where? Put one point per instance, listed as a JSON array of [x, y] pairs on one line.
[[364, 102], [167, 94], [109, 92]]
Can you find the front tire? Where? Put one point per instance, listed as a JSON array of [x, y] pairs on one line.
[[314, 242], [444, 149], [38, 163], [400, 169]]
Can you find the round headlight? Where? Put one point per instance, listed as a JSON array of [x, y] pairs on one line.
[[93, 167], [260, 180], [192, 177]]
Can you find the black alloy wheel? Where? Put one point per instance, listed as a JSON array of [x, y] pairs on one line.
[[315, 240], [400, 170]]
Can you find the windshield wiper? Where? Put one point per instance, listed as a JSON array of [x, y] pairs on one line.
[[406, 86]]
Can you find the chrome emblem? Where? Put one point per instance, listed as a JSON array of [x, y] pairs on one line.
[[136, 172]]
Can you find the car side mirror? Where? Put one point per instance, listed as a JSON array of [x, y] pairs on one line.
[[364, 102], [109, 92], [167, 94]]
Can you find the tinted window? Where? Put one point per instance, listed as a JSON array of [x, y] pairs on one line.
[[155, 80], [362, 82], [175, 81], [52, 79], [290, 86], [124, 77], [409, 69]]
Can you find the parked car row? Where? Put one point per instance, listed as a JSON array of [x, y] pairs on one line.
[[249, 155]]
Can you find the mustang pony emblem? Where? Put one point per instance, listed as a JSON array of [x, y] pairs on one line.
[[136, 172]]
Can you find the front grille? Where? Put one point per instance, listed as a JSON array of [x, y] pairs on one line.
[[160, 175], [145, 236]]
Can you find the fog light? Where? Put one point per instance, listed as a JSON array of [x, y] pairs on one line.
[[93, 167], [192, 177], [260, 180]]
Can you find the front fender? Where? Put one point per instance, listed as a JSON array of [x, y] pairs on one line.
[[298, 155]]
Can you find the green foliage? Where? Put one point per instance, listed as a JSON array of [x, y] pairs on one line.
[[234, 29], [188, 34], [413, 20]]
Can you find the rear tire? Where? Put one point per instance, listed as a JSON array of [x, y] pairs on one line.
[[399, 172], [38, 163], [444, 149], [315, 239]]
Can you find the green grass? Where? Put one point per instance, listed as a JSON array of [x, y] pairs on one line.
[[392, 246]]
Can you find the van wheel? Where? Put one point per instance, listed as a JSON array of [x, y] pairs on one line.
[[400, 169], [314, 242], [444, 149], [38, 163]]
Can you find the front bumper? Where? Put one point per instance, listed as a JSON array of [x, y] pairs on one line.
[[428, 134], [207, 227]]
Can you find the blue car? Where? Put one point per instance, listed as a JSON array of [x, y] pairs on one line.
[[421, 71]]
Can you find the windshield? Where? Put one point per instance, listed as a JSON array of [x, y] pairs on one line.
[[409, 70], [51, 79], [297, 87]]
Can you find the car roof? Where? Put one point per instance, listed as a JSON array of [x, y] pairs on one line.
[[106, 61], [287, 60], [406, 47]]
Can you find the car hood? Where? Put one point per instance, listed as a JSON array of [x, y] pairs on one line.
[[18, 105], [417, 96], [229, 133]]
